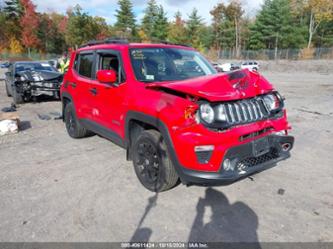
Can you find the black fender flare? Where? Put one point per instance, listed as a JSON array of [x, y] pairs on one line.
[[162, 128], [68, 96]]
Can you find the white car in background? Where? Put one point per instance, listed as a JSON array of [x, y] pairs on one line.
[[225, 67], [251, 65]]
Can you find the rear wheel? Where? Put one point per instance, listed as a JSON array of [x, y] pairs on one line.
[[152, 163], [17, 97], [74, 128]]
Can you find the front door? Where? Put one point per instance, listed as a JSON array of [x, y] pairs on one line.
[[110, 99]]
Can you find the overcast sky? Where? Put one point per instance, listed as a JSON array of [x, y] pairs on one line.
[[106, 8]]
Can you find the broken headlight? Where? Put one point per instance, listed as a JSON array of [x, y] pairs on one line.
[[19, 78], [207, 113], [273, 101], [210, 114]]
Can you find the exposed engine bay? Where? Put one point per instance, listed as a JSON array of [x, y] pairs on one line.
[[36, 83]]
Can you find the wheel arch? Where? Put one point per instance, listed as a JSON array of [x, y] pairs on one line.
[[157, 124], [65, 99]]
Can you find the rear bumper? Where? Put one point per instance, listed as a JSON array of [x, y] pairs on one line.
[[243, 163]]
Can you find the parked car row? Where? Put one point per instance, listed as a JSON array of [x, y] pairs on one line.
[[227, 67]]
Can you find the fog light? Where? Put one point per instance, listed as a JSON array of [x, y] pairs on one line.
[[227, 165]]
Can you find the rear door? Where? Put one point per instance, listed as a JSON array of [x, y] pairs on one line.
[[81, 87]]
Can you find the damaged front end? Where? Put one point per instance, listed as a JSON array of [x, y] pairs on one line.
[[30, 84], [234, 125]]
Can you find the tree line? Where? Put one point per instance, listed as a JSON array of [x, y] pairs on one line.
[[278, 24]]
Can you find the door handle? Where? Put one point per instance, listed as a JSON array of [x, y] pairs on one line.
[[73, 84], [93, 91]]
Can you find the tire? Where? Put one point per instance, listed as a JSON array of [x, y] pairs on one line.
[[152, 162], [17, 97], [73, 126], [7, 90]]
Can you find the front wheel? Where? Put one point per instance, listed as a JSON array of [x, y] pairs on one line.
[[152, 163]]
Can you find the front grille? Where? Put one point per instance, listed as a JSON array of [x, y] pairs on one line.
[[255, 134], [254, 161], [246, 111]]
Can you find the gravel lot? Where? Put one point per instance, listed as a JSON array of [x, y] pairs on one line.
[[54, 188]]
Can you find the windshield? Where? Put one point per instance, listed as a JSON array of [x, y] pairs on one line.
[[168, 64], [33, 66]]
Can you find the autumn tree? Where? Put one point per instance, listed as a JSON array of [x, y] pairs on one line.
[[82, 28], [319, 12], [3, 38], [177, 30], [29, 24], [10, 20], [50, 33], [235, 13], [227, 20]]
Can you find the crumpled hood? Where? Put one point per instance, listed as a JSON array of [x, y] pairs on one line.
[[41, 75], [235, 85]]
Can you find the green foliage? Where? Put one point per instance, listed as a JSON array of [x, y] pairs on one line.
[[149, 19], [177, 31], [125, 19], [160, 26], [155, 24], [52, 39], [81, 27], [226, 25], [324, 35], [13, 8], [279, 24], [194, 26], [274, 27]]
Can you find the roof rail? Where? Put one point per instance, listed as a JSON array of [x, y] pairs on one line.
[[106, 41], [176, 44]]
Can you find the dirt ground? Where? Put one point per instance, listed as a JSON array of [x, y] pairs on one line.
[[54, 188]]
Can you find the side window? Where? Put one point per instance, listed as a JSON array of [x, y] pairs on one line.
[[111, 61], [76, 63], [85, 65]]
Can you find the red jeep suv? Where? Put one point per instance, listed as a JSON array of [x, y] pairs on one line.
[[175, 116]]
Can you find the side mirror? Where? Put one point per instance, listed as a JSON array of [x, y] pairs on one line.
[[107, 76]]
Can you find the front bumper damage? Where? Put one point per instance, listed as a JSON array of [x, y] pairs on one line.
[[35, 89], [45, 88], [243, 160]]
